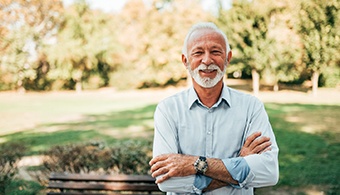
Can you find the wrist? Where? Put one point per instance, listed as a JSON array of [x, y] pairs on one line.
[[201, 165]]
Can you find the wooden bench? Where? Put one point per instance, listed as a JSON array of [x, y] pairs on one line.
[[75, 184]]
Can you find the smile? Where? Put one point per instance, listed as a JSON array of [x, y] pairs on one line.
[[208, 70]]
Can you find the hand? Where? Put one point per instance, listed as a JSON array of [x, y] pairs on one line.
[[255, 144], [172, 165]]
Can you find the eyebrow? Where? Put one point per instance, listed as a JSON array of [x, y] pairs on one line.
[[211, 48]]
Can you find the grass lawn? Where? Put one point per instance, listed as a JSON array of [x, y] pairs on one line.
[[308, 135], [309, 140]]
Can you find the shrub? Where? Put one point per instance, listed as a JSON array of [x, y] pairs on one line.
[[10, 154], [22, 187], [129, 157]]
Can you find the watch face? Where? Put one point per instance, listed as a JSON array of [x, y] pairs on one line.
[[201, 165]]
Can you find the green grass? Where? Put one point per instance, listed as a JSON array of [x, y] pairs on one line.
[[107, 127], [309, 142], [308, 135]]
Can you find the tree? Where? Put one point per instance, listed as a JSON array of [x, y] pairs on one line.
[[246, 24], [285, 55], [263, 41], [153, 40], [85, 45], [319, 28], [25, 28]]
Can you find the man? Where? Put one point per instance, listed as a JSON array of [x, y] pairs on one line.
[[212, 139]]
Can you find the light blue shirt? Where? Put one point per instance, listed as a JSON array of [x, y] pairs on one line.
[[184, 125]]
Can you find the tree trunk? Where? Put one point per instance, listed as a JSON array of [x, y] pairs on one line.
[[78, 86], [315, 81], [21, 88], [256, 82], [276, 86]]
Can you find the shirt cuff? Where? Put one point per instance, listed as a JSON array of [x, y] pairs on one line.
[[238, 169], [201, 182]]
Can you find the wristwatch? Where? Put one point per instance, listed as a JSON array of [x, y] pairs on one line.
[[201, 165]]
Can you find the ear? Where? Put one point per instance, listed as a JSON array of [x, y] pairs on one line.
[[184, 60], [230, 54]]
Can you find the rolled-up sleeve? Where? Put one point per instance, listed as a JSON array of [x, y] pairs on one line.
[[264, 167], [165, 142], [239, 170]]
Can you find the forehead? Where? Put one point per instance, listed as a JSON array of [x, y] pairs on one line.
[[206, 38]]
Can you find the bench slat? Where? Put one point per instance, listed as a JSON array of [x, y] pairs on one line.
[[87, 193], [74, 184], [108, 178], [103, 186]]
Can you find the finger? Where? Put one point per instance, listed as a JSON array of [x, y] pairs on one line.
[[258, 142], [162, 178], [266, 150], [154, 167], [158, 165], [262, 147], [159, 172], [158, 158], [251, 138]]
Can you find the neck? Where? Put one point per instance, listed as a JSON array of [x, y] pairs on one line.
[[208, 96]]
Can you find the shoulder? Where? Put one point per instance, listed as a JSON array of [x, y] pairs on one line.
[[241, 98], [175, 100]]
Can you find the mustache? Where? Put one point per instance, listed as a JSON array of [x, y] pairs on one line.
[[209, 67]]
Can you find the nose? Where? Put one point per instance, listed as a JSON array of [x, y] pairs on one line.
[[207, 60]]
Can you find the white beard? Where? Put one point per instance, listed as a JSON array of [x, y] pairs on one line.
[[207, 82]]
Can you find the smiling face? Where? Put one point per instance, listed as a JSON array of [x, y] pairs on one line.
[[206, 57]]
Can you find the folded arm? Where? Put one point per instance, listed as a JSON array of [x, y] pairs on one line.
[[166, 166]]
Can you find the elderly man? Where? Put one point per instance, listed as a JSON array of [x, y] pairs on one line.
[[211, 139]]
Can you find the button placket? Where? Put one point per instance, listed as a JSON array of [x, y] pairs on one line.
[[209, 134]]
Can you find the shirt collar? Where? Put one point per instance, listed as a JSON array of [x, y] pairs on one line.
[[225, 97]]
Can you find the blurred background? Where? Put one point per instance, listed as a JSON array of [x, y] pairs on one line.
[[81, 78], [132, 44]]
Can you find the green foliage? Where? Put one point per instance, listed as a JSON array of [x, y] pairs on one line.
[[46, 46], [85, 47], [152, 55], [249, 40], [10, 154], [25, 27], [22, 187], [255, 34], [319, 27], [330, 77], [128, 157]]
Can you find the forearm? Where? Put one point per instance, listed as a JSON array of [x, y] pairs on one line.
[[218, 171], [215, 184]]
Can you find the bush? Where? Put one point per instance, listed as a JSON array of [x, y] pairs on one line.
[[22, 187], [128, 157], [10, 154]]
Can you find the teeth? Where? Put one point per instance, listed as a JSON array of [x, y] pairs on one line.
[[208, 70]]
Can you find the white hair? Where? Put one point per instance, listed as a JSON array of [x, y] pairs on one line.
[[204, 25]]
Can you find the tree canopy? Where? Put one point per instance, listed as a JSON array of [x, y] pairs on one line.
[[47, 46]]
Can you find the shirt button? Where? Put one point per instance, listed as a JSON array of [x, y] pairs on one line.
[[209, 132]]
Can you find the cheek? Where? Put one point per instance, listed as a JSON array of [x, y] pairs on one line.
[[194, 64], [220, 62]]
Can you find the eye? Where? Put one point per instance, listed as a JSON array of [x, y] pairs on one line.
[[216, 52], [197, 53]]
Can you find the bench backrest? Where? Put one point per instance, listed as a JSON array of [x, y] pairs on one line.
[[88, 182]]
